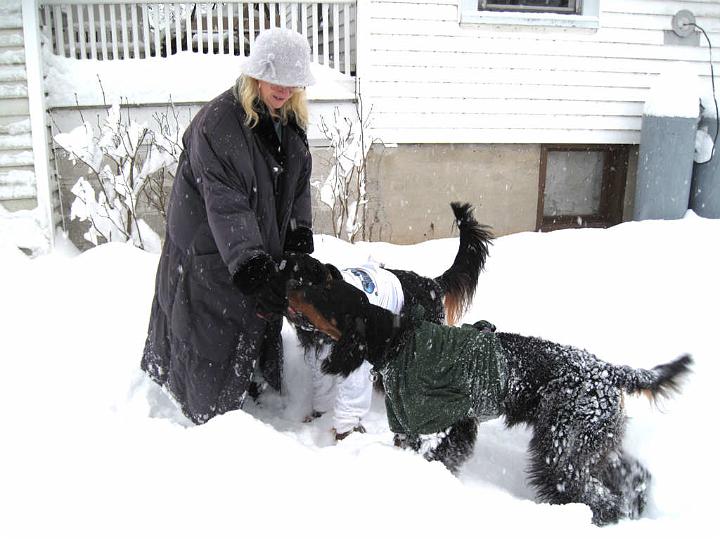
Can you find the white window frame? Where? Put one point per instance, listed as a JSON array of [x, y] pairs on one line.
[[589, 18]]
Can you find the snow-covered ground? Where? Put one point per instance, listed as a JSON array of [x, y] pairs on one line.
[[90, 448]]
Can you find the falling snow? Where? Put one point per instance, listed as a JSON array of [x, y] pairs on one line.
[[93, 449]]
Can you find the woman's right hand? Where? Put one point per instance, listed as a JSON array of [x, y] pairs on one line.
[[259, 277], [272, 298]]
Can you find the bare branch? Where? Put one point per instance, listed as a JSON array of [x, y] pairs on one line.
[[122, 177]]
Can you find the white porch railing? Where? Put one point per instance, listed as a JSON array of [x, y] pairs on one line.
[[123, 30]]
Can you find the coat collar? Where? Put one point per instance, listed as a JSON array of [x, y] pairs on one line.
[[265, 131], [286, 160]]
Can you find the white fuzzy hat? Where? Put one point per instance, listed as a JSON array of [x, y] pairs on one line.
[[280, 56]]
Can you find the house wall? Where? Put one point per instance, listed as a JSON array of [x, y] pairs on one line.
[[432, 78], [17, 174], [459, 110]]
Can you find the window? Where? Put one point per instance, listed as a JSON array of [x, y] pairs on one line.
[[552, 6], [581, 186], [550, 13]]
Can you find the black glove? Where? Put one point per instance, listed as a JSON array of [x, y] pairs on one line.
[[259, 277], [272, 299], [255, 273], [299, 239]]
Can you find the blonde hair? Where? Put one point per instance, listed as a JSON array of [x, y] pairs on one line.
[[246, 92]]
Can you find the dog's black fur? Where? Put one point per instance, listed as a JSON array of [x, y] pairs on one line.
[[444, 298], [572, 401]]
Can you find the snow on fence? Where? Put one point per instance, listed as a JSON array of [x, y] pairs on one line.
[[121, 30]]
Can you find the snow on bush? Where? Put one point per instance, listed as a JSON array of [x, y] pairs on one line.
[[126, 160], [344, 190]]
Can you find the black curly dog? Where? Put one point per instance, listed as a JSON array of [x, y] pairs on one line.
[[572, 400], [444, 298]]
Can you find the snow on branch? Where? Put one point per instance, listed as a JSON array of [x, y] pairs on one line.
[[344, 190], [126, 161]]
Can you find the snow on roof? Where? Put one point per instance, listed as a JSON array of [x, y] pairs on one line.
[[182, 77]]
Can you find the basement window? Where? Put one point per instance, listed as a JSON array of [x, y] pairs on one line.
[[543, 6], [581, 186], [553, 13]]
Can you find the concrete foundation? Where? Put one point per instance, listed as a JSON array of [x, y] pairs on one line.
[[413, 185]]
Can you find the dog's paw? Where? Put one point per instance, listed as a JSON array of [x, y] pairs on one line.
[[357, 429], [312, 416]]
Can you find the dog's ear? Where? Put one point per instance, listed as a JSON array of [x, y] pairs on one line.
[[333, 272], [303, 269], [339, 302], [349, 352]]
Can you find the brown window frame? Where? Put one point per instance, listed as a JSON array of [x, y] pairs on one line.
[[612, 194]]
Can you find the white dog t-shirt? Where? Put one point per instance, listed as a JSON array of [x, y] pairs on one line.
[[350, 397]]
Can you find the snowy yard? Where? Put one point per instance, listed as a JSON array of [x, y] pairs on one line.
[[92, 449]]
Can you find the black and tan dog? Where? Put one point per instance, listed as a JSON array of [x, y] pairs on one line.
[[444, 298], [440, 381]]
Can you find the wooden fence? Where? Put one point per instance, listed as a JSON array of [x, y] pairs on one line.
[[124, 30]]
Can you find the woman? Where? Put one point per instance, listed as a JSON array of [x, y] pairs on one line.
[[241, 197]]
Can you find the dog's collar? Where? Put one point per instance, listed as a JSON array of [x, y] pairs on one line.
[[402, 333]]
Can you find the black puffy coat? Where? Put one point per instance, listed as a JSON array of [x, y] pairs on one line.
[[238, 193]]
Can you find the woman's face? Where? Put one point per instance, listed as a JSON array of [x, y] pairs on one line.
[[273, 95]]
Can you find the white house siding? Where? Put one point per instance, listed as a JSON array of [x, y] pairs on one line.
[[433, 79], [17, 177]]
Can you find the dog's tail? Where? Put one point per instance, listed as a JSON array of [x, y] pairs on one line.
[[660, 381], [458, 282]]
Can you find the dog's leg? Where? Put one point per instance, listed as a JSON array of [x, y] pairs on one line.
[[456, 446], [629, 479], [451, 447], [574, 433], [404, 441], [568, 479]]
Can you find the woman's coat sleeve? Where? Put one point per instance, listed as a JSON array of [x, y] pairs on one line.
[[228, 193]]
